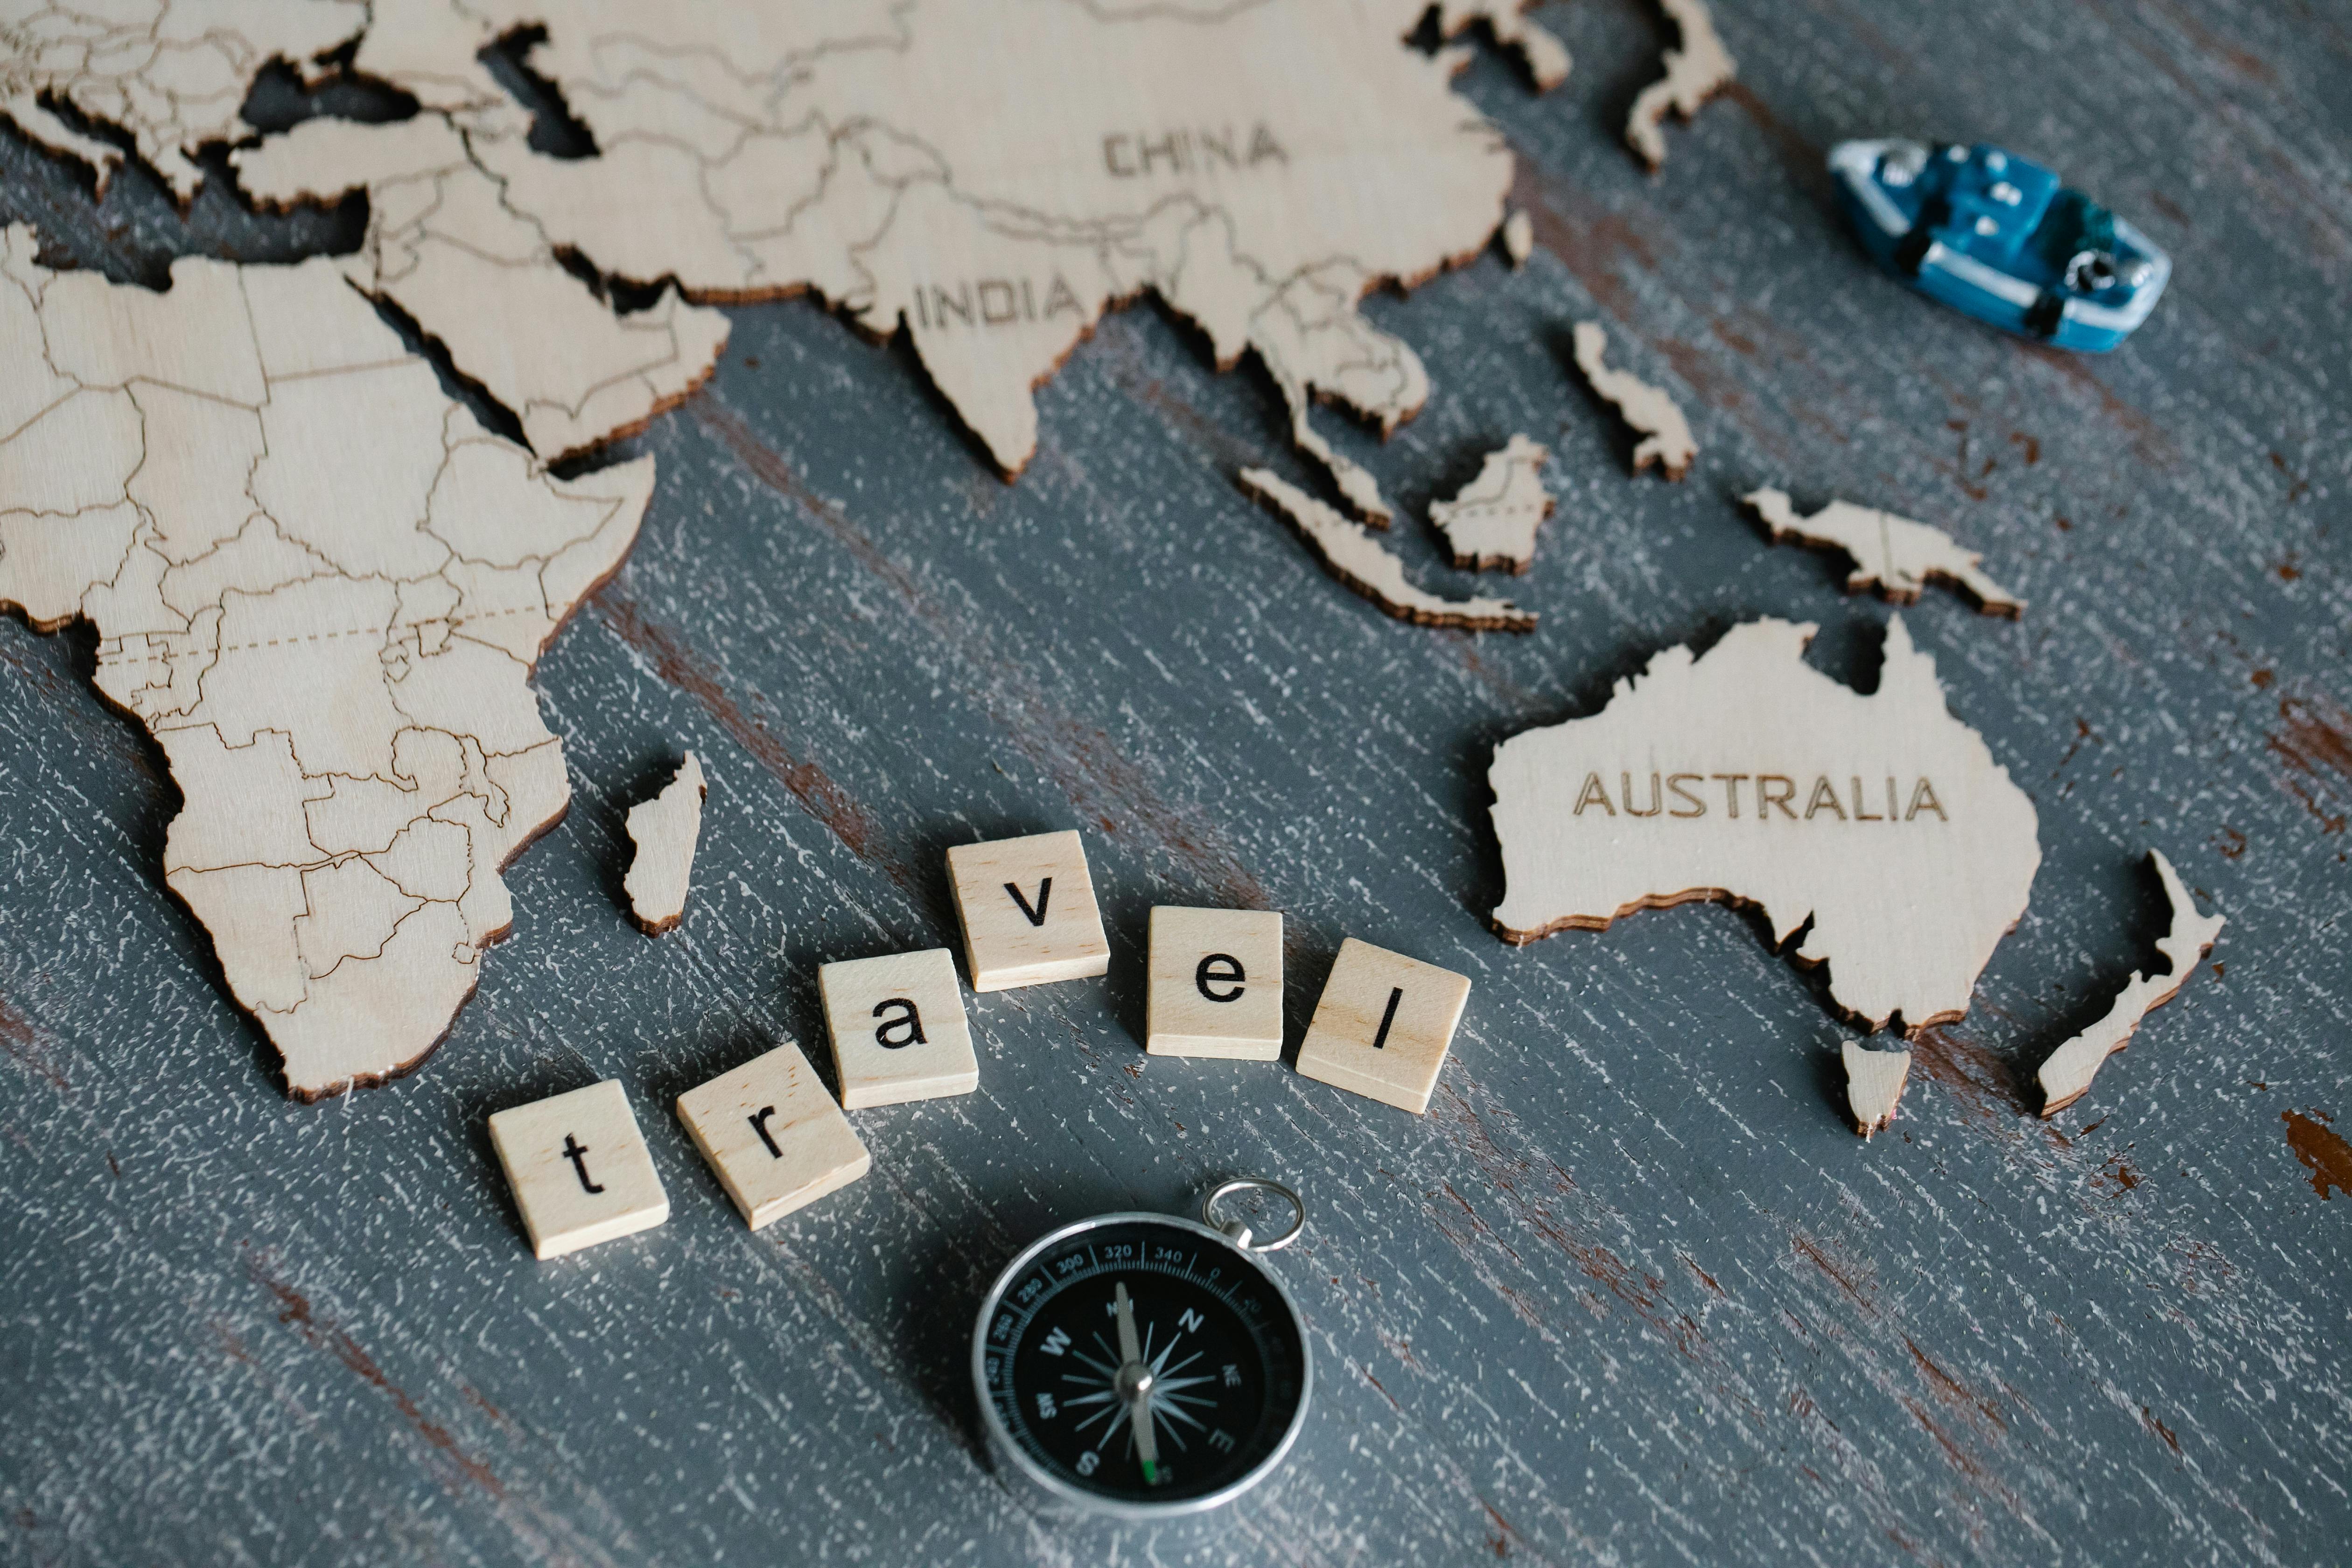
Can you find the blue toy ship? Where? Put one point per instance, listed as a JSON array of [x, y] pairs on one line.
[[1991, 235]]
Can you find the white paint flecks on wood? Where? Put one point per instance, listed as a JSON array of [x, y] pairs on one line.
[[1357, 559], [1666, 438], [1028, 912], [2066, 1077], [1891, 554], [1492, 522], [1383, 1025], [664, 830], [1518, 240], [579, 1169], [898, 1027], [322, 587], [1697, 71], [772, 1136], [1216, 984], [1873, 1084], [1745, 774]]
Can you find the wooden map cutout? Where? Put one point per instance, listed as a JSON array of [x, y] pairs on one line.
[[2066, 1077], [1666, 438], [1492, 521], [664, 830], [1879, 826], [1873, 1084], [850, 151], [331, 638], [1518, 240], [1893, 555], [1357, 559], [173, 74], [1546, 58], [485, 282], [1696, 72]]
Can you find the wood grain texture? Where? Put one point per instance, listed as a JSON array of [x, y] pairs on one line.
[[1631, 1292]]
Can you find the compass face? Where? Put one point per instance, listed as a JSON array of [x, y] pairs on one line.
[[1135, 1319]]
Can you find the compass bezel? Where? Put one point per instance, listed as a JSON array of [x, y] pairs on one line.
[[1063, 1495]]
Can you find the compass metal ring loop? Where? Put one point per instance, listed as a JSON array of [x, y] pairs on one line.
[[1237, 1231]]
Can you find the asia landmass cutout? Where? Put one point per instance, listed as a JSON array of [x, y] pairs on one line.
[[1880, 821], [990, 181], [331, 639]]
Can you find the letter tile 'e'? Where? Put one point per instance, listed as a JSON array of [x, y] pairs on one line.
[[773, 1137], [1028, 911], [1383, 1025], [898, 1027], [580, 1172], [1215, 987]]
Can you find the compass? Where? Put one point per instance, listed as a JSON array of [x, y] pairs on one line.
[[1142, 1367]]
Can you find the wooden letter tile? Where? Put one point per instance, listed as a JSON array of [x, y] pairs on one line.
[[1028, 911], [898, 1027], [1383, 1025], [773, 1137], [580, 1172], [1216, 987]]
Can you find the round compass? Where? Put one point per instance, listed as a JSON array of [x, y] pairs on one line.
[[1140, 1366]]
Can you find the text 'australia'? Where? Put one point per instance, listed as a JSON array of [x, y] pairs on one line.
[[1688, 796]]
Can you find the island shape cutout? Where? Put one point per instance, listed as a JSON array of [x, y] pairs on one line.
[[1743, 775]]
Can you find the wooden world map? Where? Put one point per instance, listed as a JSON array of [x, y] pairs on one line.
[[322, 584]]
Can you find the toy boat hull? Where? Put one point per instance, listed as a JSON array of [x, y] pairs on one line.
[[1997, 238]]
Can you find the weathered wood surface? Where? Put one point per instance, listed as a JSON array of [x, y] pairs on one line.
[[1631, 1292]]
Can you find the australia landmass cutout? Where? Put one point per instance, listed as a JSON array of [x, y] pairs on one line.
[[1745, 774]]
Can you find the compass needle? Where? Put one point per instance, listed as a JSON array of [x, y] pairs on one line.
[[1136, 1381]]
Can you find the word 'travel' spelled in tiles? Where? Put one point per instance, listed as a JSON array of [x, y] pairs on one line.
[[1383, 1025], [1216, 984], [1027, 906], [898, 1027], [580, 1170], [772, 1136]]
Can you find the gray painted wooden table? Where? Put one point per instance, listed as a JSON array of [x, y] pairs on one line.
[[1631, 1292]]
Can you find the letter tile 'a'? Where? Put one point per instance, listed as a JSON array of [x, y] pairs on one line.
[[1215, 985], [580, 1170], [898, 1027], [773, 1137], [1383, 1025], [1028, 911]]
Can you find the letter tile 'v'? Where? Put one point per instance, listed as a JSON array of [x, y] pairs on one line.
[[1045, 893]]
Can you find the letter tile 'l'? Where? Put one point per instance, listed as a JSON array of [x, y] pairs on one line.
[[1028, 911], [1383, 1025]]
